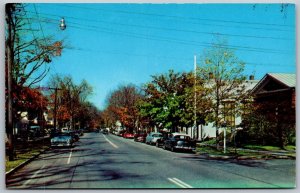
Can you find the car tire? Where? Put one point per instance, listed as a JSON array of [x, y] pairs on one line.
[[173, 149], [164, 147], [157, 145]]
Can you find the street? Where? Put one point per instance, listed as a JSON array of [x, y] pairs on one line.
[[109, 161]]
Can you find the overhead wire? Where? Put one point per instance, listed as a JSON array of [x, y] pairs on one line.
[[160, 38], [90, 27], [187, 18], [170, 29]]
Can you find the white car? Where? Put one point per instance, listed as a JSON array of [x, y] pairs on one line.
[[153, 137]]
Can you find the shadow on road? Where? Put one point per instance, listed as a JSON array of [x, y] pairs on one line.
[[248, 163]]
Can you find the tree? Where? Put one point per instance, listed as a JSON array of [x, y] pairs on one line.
[[70, 98], [122, 104], [223, 73], [24, 58], [169, 100]]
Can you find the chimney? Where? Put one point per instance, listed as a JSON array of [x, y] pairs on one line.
[[251, 77]]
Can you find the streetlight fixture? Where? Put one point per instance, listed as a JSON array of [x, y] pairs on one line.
[[62, 24]]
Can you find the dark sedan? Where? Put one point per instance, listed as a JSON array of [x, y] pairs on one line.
[[178, 141]]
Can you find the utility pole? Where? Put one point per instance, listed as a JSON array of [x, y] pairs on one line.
[[195, 96], [55, 108], [10, 60], [55, 102]]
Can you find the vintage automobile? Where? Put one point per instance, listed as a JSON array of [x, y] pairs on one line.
[[128, 135], [153, 137], [179, 141], [105, 131], [140, 137], [62, 140], [161, 141]]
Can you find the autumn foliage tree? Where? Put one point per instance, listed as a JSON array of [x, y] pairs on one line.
[[122, 106], [71, 99], [26, 57]]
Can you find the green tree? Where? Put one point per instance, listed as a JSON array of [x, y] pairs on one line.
[[169, 100], [223, 73]]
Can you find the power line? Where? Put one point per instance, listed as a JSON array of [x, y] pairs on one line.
[[171, 29], [170, 57], [160, 38], [186, 18]]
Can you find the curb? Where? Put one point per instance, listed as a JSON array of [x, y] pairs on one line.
[[13, 170]]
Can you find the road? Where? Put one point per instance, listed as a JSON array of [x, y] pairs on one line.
[[108, 161]]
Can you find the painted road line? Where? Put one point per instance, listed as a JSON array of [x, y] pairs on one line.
[[179, 183], [32, 177], [111, 143], [69, 159]]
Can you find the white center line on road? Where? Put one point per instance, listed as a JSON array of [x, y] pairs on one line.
[[33, 176], [179, 183], [111, 143], [182, 183], [69, 159]]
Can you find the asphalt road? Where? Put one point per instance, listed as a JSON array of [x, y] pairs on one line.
[[108, 161]]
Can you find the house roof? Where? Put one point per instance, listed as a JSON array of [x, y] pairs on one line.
[[285, 78]]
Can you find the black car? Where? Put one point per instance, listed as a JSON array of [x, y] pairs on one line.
[[178, 141], [161, 141], [105, 131]]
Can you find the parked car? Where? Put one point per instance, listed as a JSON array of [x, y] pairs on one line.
[[179, 141], [34, 132], [161, 141], [105, 131], [140, 137], [128, 135], [62, 140], [74, 135], [153, 137]]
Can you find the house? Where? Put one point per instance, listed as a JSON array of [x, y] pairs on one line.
[[275, 97], [278, 88], [232, 118]]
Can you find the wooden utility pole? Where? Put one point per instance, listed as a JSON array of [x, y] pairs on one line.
[[10, 60]]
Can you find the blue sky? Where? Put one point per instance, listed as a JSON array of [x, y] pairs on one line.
[[116, 44]]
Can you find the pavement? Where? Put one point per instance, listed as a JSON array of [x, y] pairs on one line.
[[264, 155]]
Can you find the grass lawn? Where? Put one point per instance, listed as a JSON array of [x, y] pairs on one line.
[[23, 154], [208, 148]]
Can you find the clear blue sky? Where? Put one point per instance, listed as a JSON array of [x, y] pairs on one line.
[[115, 44]]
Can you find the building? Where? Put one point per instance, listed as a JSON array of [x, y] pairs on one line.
[[275, 97]]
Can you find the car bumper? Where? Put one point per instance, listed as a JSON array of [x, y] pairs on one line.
[[61, 145]]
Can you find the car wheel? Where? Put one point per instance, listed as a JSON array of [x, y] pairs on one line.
[[164, 147], [173, 149], [157, 145]]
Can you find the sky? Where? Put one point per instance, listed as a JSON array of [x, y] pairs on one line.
[[118, 44]]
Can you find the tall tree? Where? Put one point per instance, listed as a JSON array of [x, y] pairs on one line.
[[123, 104], [70, 98], [223, 72], [169, 100], [25, 58]]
